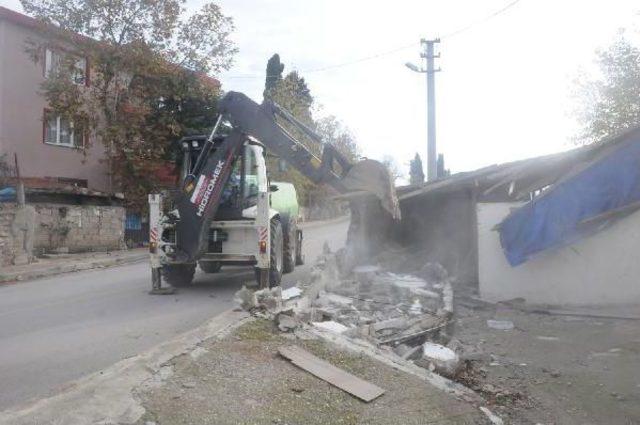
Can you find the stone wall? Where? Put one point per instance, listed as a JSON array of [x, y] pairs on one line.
[[49, 227], [7, 240], [17, 230], [78, 228]]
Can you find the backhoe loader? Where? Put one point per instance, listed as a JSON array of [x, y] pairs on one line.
[[224, 210]]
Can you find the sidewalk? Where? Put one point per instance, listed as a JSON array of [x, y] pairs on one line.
[[241, 379], [65, 263]]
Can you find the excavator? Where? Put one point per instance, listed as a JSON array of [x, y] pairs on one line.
[[222, 212]]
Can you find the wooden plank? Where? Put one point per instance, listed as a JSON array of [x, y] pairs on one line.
[[326, 371]]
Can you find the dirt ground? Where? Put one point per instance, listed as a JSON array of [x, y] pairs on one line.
[[241, 379], [553, 369]]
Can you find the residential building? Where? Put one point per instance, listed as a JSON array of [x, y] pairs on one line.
[[51, 152]]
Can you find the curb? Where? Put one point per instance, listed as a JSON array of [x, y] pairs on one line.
[[109, 396], [71, 267]]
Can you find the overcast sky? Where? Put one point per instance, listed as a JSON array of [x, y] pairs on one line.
[[504, 92]]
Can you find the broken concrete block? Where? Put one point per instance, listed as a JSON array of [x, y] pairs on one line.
[[397, 323], [332, 326], [402, 349], [246, 298], [270, 299], [445, 361], [292, 292], [327, 298], [286, 322]]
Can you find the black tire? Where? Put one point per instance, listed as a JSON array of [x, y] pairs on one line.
[[289, 248], [276, 261], [178, 275], [210, 266]]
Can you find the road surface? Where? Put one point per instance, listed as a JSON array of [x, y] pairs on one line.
[[58, 329]]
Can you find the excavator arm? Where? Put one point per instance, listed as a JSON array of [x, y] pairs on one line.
[[333, 168]]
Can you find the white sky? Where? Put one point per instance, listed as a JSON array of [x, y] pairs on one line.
[[504, 92]]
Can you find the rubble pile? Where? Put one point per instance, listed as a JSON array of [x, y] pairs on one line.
[[386, 308], [409, 315]]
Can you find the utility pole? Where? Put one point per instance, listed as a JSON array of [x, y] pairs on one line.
[[429, 55]]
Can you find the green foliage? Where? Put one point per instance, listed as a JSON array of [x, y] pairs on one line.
[[274, 74], [610, 104], [416, 173], [293, 94], [333, 131], [149, 84]]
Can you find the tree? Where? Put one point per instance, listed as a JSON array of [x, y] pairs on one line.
[[149, 84], [333, 131], [416, 173], [610, 104], [293, 94], [274, 74], [392, 166]]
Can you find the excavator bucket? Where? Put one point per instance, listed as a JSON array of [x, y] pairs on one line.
[[370, 176]]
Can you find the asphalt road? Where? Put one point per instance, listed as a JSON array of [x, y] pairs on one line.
[[58, 329]]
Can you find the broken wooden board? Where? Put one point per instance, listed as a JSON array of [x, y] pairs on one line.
[[355, 386]]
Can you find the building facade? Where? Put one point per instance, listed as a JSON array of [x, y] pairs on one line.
[[50, 151]]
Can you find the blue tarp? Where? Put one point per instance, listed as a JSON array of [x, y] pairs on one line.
[[611, 182], [7, 194]]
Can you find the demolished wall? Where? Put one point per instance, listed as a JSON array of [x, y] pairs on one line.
[[599, 269], [443, 226]]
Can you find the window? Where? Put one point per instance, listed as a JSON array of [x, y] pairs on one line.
[[61, 132], [53, 59]]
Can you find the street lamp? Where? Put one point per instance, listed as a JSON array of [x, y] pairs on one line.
[[413, 67], [429, 71]]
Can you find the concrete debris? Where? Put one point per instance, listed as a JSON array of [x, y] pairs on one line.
[[292, 292], [397, 323], [269, 299], [495, 420], [287, 322], [444, 360], [501, 325], [398, 313], [332, 326], [327, 298], [246, 298]]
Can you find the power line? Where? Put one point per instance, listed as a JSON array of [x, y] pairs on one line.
[[338, 65], [364, 59], [480, 21], [389, 52]]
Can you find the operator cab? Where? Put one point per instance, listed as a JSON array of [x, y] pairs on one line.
[[242, 188]]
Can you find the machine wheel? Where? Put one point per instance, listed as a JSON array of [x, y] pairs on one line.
[[276, 262], [290, 247], [178, 275], [210, 266]]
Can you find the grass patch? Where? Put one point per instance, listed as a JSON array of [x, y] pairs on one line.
[[257, 330]]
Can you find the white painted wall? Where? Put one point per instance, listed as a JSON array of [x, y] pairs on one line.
[[600, 269]]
